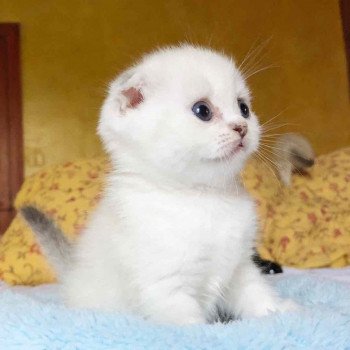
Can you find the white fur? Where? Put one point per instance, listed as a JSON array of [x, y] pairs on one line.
[[172, 237]]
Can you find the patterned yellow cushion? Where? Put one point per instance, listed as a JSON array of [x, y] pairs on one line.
[[306, 225], [20, 259], [67, 193]]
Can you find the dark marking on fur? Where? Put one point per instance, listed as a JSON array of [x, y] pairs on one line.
[[302, 162], [266, 266], [56, 247]]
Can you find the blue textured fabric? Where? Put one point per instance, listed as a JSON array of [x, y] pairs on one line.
[[324, 323]]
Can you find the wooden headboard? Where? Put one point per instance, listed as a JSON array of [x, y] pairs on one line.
[[11, 137], [345, 14]]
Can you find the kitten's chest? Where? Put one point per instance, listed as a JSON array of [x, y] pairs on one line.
[[202, 221], [200, 239]]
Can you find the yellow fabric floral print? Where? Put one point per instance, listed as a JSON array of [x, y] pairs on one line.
[[307, 224]]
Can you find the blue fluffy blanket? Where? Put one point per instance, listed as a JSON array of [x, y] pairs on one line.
[[324, 323]]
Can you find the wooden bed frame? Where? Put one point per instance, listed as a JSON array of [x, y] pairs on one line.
[[11, 138], [345, 16]]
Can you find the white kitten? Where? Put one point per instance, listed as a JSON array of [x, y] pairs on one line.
[[173, 235]]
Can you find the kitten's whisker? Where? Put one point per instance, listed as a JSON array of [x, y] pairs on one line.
[[261, 70], [253, 55], [275, 148], [267, 127], [260, 154], [255, 65], [210, 39], [269, 159], [266, 164], [283, 158], [276, 126], [272, 148], [272, 140], [274, 117], [271, 135], [247, 55], [276, 152]]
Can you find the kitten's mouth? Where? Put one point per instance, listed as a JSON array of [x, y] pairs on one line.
[[230, 153]]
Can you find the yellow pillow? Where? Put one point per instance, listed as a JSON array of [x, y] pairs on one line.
[[305, 225], [67, 193], [20, 259]]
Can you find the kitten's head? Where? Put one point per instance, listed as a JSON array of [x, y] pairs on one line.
[[181, 112]]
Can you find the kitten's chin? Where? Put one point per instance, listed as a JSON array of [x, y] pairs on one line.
[[229, 154]]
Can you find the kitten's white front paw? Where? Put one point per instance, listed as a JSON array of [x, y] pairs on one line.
[[267, 307], [179, 309]]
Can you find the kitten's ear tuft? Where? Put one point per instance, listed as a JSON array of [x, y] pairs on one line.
[[133, 96]]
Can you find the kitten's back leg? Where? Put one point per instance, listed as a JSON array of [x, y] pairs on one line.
[[93, 287]]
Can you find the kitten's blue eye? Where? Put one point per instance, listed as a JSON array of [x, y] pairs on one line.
[[244, 108], [202, 110]]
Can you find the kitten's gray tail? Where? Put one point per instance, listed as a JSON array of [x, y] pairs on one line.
[[55, 246], [293, 152]]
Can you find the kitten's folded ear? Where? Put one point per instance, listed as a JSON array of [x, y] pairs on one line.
[[125, 95], [127, 90]]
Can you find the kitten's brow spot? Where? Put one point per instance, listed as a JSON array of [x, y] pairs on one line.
[[217, 113]]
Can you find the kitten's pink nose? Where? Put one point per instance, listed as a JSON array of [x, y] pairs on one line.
[[241, 128]]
